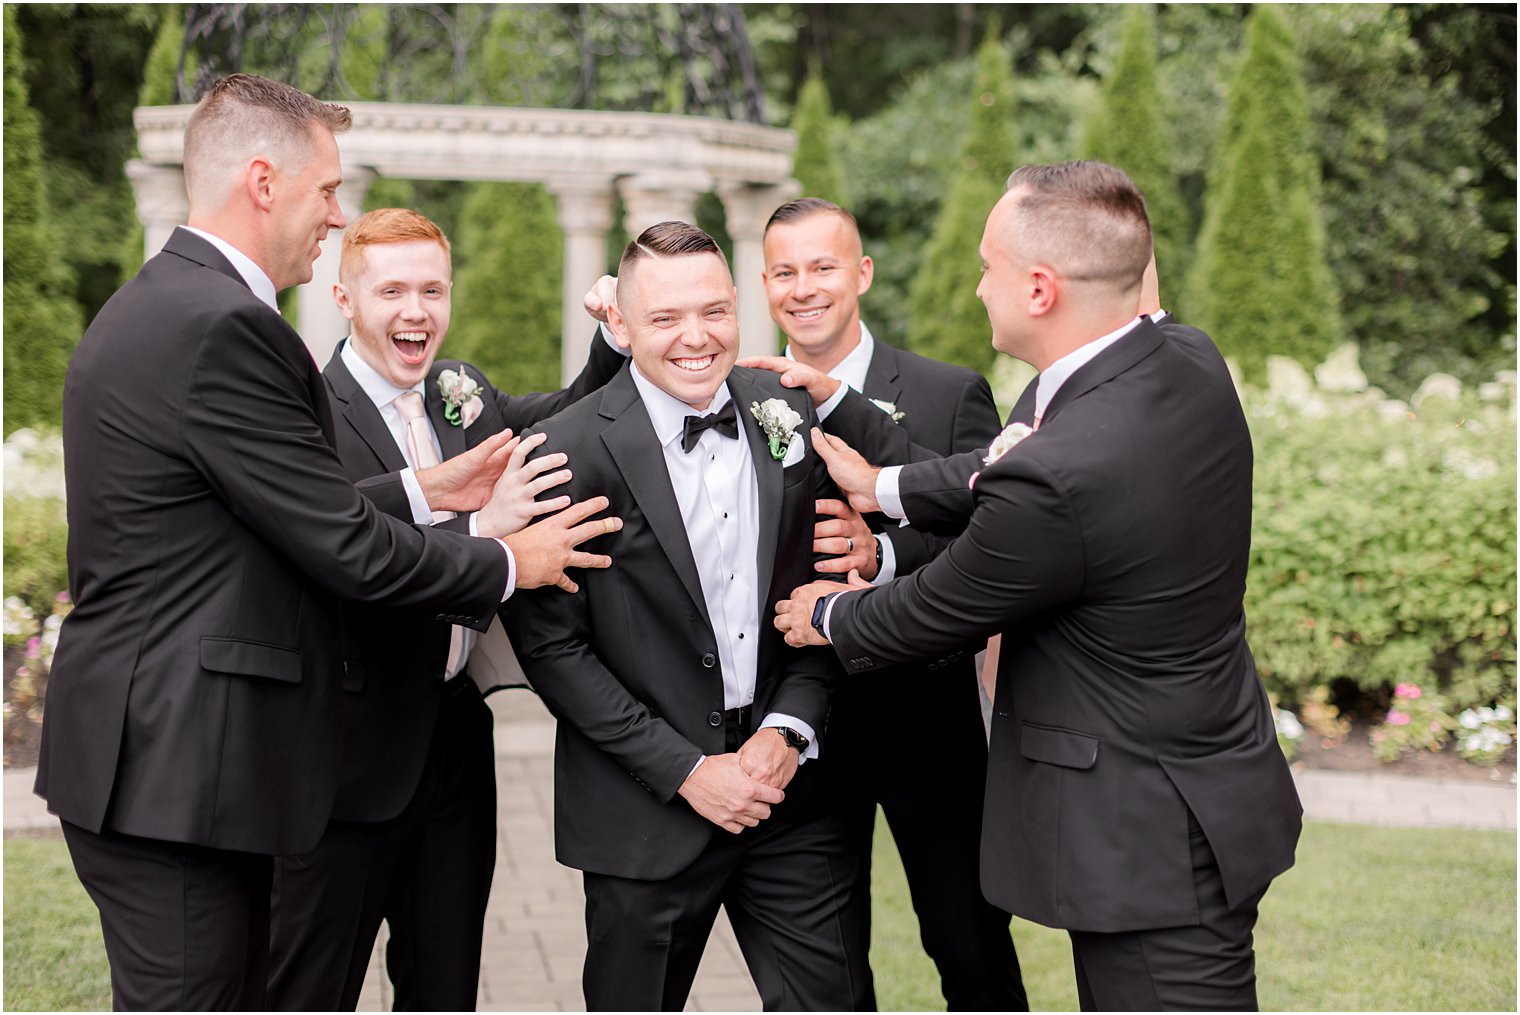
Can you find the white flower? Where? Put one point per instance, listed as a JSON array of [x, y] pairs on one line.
[[458, 388], [1437, 386], [18, 618], [1288, 725], [890, 408], [1341, 371], [1005, 441], [779, 421]]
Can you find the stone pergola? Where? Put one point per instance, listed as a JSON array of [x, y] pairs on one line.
[[659, 163]]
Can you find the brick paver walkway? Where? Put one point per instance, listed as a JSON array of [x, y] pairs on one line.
[[535, 936]]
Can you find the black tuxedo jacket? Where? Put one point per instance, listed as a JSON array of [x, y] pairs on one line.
[[196, 689], [394, 658], [1110, 550], [629, 664]]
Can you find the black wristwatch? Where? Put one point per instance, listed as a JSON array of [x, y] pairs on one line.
[[820, 608], [793, 738]]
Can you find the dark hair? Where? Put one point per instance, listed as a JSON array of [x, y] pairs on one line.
[[665, 239], [1087, 218], [807, 207]]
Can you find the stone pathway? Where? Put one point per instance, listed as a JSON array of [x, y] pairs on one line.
[[535, 935]]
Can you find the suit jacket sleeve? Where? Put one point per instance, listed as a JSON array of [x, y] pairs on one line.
[[974, 425], [387, 493], [522, 411], [1021, 555], [250, 425]]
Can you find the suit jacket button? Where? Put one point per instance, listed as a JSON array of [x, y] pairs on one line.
[[715, 718], [709, 660]]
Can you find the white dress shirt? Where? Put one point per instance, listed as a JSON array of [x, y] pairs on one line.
[[260, 283], [851, 373], [719, 500]]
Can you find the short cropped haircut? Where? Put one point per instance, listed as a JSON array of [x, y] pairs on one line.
[[243, 115], [666, 239], [807, 207], [1086, 219], [384, 225]]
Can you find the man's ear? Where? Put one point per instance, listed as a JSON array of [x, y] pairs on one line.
[[258, 178], [618, 325], [342, 299], [867, 272], [1043, 290]]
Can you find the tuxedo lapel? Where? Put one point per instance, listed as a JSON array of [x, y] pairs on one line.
[[767, 476], [451, 438], [883, 382], [195, 248], [1145, 339], [361, 414], [629, 438]]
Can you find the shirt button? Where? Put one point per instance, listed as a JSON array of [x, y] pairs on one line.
[[709, 660], [741, 635], [712, 458], [715, 718]]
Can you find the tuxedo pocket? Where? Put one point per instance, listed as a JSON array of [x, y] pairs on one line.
[[1054, 746], [251, 659], [795, 452]]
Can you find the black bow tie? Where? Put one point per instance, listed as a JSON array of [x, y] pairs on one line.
[[725, 421]]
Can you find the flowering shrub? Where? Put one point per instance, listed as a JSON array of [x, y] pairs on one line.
[[1414, 721], [1484, 734], [1289, 731], [36, 530], [31, 675]]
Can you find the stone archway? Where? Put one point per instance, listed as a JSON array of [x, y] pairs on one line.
[[659, 163]]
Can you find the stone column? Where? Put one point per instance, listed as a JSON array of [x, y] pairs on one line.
[[161, 201], [321, 324], [748, 207], [660, 197], [585, 215]]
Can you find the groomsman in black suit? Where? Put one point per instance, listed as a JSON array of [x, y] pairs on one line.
[[815, 274], [688, 748], [1136, 794], [193, 711], [412, 839]]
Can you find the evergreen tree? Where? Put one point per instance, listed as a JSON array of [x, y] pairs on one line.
[[1261, 284], [42, 321], [506, 316], [946, 320], [1128, 129], [816, 162], [160, 87]]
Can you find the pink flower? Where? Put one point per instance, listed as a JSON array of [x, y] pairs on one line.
[[1435, 727], [61, 597], [1407, 691], [1397, 718], [33, 645]]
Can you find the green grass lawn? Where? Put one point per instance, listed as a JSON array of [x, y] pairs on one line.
[[1371, 919]]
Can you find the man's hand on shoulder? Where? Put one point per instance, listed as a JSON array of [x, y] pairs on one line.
[[464, 482], [819, 385], [545, 550], [855, 477], [513, 505], [721, 792]]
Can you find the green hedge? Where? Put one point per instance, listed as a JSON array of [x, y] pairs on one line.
[[1383, 541]]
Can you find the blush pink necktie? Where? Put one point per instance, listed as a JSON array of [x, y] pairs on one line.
[[419, 441]]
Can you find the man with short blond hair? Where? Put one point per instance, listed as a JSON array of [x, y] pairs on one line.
[[193, 708], [412, 840]]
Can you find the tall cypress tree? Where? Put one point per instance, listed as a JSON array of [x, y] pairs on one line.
[[816, 162], [1128, 129], [506, 315], [159, 87], [42, 320], [947, 321], [1261, 284]]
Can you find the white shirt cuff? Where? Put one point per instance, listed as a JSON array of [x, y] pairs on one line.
[[887, 494], [511, 562], [830, 406], [792, 722], [421, 513], [888, 569], [606, 334]]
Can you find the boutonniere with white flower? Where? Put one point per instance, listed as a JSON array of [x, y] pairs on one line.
[[461, 397], [779, 421], [1006, 441], [890, 408]]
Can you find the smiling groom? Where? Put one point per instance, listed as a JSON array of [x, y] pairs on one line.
[[688, 751]]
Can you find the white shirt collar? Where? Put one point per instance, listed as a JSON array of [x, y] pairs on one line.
[[259, 282], [380, 390], [1057, 374], [667, 412], [853, 368]]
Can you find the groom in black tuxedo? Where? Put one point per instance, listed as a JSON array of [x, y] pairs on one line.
[[191, 731], [688, 748], [1136, 795]]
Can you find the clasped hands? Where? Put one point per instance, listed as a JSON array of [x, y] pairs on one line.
[[736, 791], [495, 479]]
